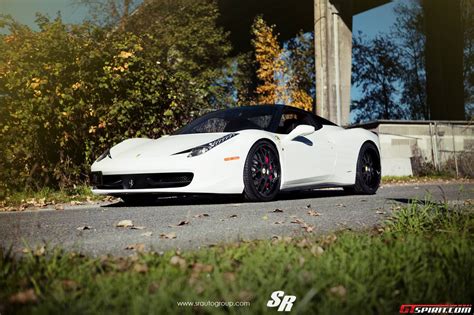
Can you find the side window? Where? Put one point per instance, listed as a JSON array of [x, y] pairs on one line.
[[290, 119]]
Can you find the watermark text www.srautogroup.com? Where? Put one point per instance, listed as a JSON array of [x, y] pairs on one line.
[[213, 303]]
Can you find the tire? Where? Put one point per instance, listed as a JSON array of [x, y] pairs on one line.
[[262, 172], [368, 172], [138, 199]]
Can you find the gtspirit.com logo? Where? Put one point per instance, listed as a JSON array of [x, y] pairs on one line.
[[285, 302], [436, 309]]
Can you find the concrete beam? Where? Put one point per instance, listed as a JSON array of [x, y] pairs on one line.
[[333, 53]]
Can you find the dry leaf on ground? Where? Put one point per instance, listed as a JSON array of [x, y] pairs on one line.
[[83, 228], [339, 291], [313, 213], [180, 223], [140, 268], [178, 261], [201, 215], [125, 223], [168, 236], [139, 247], [24, 297]]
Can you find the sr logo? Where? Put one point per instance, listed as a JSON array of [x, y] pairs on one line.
[[278, 298]]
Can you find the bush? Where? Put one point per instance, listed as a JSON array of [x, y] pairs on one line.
[[68, 92]]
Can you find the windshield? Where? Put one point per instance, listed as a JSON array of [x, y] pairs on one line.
[[231, 120]]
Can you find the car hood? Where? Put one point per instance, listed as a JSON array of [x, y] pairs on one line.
[[164, 146]]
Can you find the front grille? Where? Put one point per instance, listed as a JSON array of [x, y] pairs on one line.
[[141, 181]]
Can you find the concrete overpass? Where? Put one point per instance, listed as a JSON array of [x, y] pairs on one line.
[[332, 22]]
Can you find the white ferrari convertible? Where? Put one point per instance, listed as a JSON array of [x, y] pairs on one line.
[[255, 150]]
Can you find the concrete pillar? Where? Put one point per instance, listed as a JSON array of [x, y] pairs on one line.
[[444, 59], [333, 54]]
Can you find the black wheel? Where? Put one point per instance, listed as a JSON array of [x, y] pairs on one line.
[[262, 172], [138, 199], [368, 171]]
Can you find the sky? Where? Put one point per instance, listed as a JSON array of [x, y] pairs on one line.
[[371, 22]]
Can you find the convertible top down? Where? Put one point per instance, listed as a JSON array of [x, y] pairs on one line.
[[254, 150]]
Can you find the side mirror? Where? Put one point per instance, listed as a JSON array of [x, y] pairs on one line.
[[300, 131]]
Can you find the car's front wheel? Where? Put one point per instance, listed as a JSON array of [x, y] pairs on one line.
[[262, 172], [368, 171]]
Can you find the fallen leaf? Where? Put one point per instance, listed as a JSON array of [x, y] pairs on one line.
[[308, 206], [308, 228], [317, 250], [340, 205], [70, 285], [379, 212], [168, 236], [148, 234], [339, 291], [297, 221], [202, 215], [302, 261], [277, 210], [229, 276], [279, 222], [328, 240], [180, 223], [303, 243], [137, 227], [198, 268], [24, 297], [139, 247], [313, 213], [83, 228], [40, 251], [233, 216], [153, 287], [178, 261], [58, 207], [140, 268], [125, 223]]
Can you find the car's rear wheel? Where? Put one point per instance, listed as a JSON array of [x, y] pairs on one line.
[[138, 199], [368, 171], [262, 172]]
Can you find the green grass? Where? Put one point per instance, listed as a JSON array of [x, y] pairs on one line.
[[48, 196], [424, 254]]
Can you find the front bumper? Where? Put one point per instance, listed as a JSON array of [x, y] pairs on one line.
[[208, 173]]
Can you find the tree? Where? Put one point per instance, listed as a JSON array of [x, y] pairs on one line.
[[109, 13], [68, 92], [269, 63], [376, 69], [408, 33], [302, 78]]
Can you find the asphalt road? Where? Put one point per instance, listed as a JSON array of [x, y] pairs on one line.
[[228, 219]]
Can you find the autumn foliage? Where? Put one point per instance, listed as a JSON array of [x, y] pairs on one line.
[[268, 57]]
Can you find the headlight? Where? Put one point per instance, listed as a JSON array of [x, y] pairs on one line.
[[104, 155], [208, 146]]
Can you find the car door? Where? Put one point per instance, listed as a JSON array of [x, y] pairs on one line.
[[307, 160]]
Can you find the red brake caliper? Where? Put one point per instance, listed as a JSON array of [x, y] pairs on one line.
[[267, 160]]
